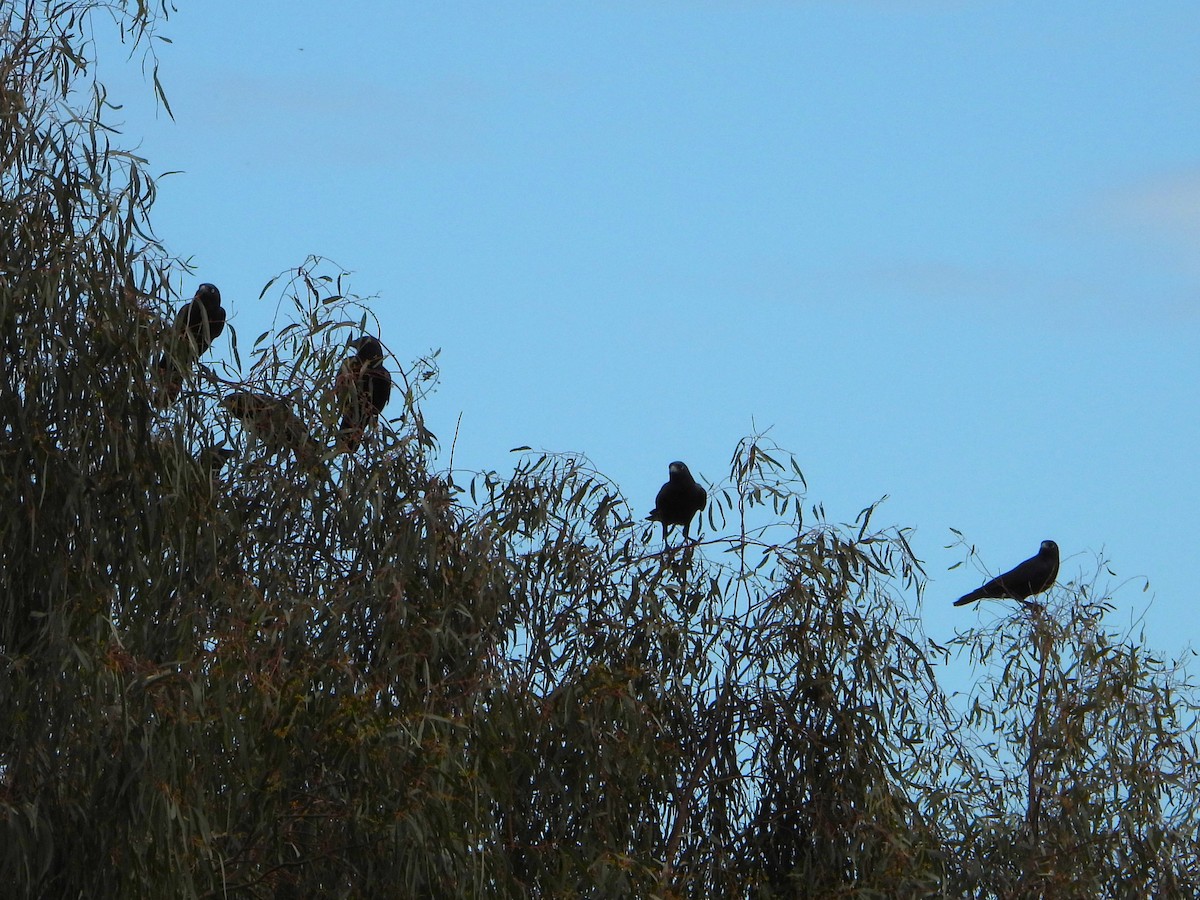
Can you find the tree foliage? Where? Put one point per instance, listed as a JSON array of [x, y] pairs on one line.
[[376, 677]]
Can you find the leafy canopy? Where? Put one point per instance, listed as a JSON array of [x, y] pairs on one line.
[[378, 677]]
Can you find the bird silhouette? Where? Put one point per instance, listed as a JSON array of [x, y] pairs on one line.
[[213, 459], [273, 421], [198, 323], [363, 388], [1035, 575], [678, 500]]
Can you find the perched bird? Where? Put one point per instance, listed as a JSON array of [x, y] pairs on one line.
[[273, 421], [178, 470], [213, 459], [1031, 577], [363, 388], [678, 501], [199, 322]]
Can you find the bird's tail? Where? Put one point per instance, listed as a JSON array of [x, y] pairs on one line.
[[969, 598]]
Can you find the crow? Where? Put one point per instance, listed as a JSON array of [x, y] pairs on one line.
[[199, 322], [363, 388], [678, 501], [1031, 577]]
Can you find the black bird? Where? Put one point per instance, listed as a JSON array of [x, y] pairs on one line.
[[1031, 577], [678, 501], [213, 459], [363, 388], [199, 322], [273, 421]]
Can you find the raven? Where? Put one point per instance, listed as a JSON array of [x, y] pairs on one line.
[[363, 388], [678, 501], [1031, 577], [199, 322]]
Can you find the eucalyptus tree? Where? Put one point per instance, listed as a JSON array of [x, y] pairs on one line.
[[236, 660]]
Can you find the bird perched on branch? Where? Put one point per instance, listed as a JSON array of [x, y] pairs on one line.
[[678, 500], [213, 459], [199, 322], [363, 388], [1035, 575], [273, 421]]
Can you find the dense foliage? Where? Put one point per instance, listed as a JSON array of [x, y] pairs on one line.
[[376, 678]]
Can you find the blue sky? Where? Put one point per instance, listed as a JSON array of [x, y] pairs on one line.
[[946, 251]]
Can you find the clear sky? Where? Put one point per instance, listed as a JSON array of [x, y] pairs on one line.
[[947, 251]]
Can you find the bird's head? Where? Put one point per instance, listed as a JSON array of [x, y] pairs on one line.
[[1049, 547], [678, 468], [368, 348], [208, 295]]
